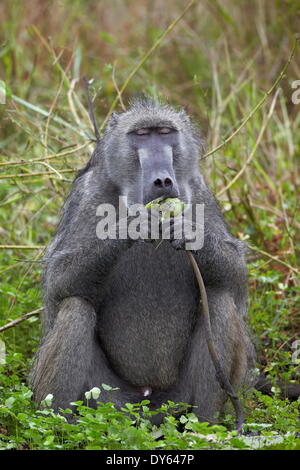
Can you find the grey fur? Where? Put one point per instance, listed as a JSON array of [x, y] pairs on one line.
[[124, 313]]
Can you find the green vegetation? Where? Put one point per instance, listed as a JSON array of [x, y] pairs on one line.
[[218, 62], [167, 207]]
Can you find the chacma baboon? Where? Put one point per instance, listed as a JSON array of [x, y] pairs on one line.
[[125, 312]]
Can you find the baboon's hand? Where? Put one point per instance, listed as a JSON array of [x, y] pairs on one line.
[[179, 235]]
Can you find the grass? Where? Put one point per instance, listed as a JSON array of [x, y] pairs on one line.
[[218, 61]]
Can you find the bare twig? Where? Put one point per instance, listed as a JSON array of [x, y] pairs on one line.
[[47, 157], [252, 153], [275, 258], [113, 76], [57, 119], [91, 109], [41, 173], [51, 112], [20, 319]]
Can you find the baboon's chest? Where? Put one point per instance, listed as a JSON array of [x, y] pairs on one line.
[[147, 315]]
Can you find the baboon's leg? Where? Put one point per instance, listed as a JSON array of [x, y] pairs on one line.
[[70, 360], [234, 349]]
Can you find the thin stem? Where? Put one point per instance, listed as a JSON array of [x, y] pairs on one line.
[[220, 374]]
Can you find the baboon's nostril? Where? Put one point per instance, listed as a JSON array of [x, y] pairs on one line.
[[158, 182], [168, 182]]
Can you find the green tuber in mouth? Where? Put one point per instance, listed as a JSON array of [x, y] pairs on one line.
[[170, 207]]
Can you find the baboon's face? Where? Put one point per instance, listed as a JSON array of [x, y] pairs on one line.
[[154, 148], [151, 152]]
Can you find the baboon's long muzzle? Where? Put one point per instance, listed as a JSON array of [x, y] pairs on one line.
[[158, 177]]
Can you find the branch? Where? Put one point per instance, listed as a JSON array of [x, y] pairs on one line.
[[287, 390], [274, 258], [91, 109], [22, 247], [46, 158], [41, 173], [20, 319], [142, 61], [252, 153]]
